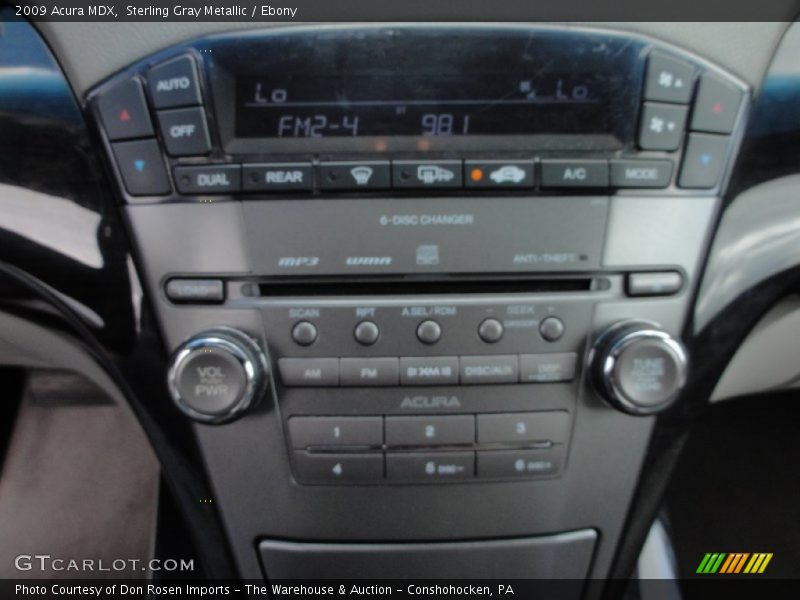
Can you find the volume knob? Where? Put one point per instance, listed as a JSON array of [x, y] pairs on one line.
[[216, 375], [638, 368]]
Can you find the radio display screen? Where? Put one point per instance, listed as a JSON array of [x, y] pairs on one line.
[[411, 88], [445, 104]]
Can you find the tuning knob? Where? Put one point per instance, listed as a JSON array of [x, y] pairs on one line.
[[216, 375], [637, 367]]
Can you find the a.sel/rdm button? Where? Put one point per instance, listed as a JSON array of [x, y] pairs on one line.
[[277, 177], [211, 179]]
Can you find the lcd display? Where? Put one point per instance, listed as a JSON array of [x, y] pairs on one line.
[[512, 103]]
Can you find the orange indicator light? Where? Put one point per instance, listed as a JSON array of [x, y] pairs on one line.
[[476, 174]]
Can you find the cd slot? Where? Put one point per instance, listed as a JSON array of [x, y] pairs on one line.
[[378, 286]]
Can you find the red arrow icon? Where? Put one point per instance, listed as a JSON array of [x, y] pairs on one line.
[[124, 115]]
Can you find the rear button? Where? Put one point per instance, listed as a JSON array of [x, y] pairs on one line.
[[277, 177]]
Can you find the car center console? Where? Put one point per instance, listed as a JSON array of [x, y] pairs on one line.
[[422, 284]]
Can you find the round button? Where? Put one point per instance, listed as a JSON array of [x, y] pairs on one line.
[[216, 375], [551, 329], [210, 381], [304, 333], [366, 333], [649, 372], [637, 367], [490, 330], [429, 332]]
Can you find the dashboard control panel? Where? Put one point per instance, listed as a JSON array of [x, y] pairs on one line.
[[316, 113], [399, 265]]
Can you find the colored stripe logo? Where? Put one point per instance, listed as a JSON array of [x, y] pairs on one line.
[[734, 563]]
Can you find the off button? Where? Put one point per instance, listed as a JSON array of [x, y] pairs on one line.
[[184, 131]]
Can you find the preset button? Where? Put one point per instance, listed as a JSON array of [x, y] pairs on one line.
[[430, 431], [432, 467], [335, 431], [520, 463], [338, 468], [546, 426]]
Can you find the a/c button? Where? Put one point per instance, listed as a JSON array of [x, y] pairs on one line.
[[574, 173]]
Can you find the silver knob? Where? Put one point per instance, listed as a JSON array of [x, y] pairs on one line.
[[638, 368], [216, 375]]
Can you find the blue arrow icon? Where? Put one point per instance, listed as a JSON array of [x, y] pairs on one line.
[[139, 164]]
